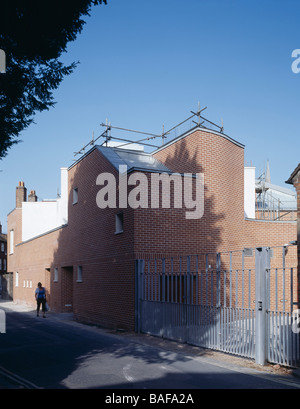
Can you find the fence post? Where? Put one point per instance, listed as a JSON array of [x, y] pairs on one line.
[[218, 299], [262, 264], [189, 298], [138, 293], [163, 296]]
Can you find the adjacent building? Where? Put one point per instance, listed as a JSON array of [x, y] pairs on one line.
[[84, 253], [3, 259], [274, 202], [294, 180], [3, 251]]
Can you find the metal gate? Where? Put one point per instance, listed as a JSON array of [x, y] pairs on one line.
[[235, 302]]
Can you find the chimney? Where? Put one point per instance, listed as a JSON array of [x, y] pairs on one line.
[[21, 194], [32, 197]]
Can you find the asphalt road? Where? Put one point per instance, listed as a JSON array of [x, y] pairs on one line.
[[57, 353]]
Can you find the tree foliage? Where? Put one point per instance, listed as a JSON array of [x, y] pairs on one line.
[[34, 34]]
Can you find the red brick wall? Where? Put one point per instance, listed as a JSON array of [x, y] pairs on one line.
[[223, 226], [297, 186], [106, 293], [31, 260], [222, 163]]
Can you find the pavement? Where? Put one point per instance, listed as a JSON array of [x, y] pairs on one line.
[[11, 381]]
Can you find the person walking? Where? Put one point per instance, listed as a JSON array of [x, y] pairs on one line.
[[40, 296]]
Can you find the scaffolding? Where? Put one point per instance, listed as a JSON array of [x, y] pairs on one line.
[[269, 206], [201, 122]]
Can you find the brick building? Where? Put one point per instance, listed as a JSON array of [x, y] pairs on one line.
[[3, 258], [294, 180], [85, 255], [3, 251]]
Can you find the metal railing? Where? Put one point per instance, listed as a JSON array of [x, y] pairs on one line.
[[232, 302]]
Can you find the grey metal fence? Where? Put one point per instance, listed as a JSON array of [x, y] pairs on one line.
[[217, 301], [282, 284]]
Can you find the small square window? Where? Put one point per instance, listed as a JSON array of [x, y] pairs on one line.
[[119, 223], [75, 195], [248, 252]]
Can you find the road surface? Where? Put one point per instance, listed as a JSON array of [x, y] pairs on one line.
[[58, 353]]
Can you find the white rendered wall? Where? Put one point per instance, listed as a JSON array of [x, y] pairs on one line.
[[40, 217], [249, 192], [62, 202]]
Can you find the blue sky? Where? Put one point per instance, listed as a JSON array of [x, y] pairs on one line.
[[145, 64]]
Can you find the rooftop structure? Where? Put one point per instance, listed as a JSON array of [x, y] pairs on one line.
[[133, 160], [274, 202]]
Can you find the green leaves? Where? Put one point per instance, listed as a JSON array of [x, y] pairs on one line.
[[34, 34]]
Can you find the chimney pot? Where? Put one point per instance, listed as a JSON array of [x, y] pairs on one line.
[[32, 197], [21, 194]]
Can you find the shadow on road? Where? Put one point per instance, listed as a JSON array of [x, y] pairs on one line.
[[58, 353]]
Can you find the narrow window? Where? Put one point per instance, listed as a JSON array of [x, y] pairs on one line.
[[75, 195], [17, 279], [119, 223], [55, 275], [11, 242], [79, 274]]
